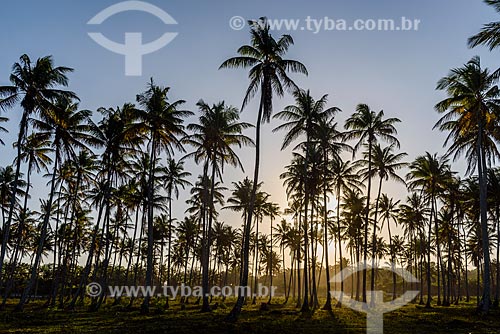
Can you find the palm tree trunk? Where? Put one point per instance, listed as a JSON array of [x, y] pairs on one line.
[[235, 312], [206, 261], [429, 283], [374, 245], [497, 294], [484, 220], [367, 217], [328, 303], [339, 240], [43, 235], [149, 261], [88, 265], [393, 261], [6, 228], [271, 270], [17, 246]]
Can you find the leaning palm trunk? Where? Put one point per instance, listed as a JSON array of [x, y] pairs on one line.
[[393, 261], [339, 240], [235, 312], [429, 282], [367, 217], [497, 294], [88, 265], [271, 270], [485, 303], [149, 262], [43, 235], [328, 303], [17, 246], [374, 245], [207, 242], [6, 228]]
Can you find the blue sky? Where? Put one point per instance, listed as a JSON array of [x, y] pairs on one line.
[[394, 71]]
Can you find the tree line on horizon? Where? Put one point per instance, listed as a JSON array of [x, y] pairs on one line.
[[126, 171]]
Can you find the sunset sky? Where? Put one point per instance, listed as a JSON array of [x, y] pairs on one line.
[[395, 71]]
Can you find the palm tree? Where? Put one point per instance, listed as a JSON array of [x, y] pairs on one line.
[[385, 165], [2, 129], [34, 86], [282, 236], [389, 210], [218, 131], [428, 173], [367, 127], [494, 198], [268, 74], [69, 130], [343, 178], [119, 140], [162, 122], [175, 177], [303, 119], [330, 140], [471, 117], [490, 33], [273, 211]]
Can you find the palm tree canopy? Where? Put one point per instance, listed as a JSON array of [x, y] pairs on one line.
[[473, 97], [268, 69]]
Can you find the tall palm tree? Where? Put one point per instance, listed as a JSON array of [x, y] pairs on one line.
[[69, 130], [385, 165], [367, 127], [213, 138], [175, 177], [428, 173], [472, 119], [34, 86], [389, 211], [303, 118], [162, 122], [268, 74], [344, 177], [272, 211]]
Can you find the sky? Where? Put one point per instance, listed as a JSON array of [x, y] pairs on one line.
[[394, 71]]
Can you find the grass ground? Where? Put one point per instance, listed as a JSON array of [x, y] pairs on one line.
[[279, 319]]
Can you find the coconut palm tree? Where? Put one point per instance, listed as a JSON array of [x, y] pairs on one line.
[[162, 122], [330, 140], [428, 173], [34, 86], [35, 152], [385, 165], [389, 211], [213, 138], [69, 131], [303, 118], [344, 177], [368, 127], [489, 35], [175, 177], [471, 117], [269, 75]]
